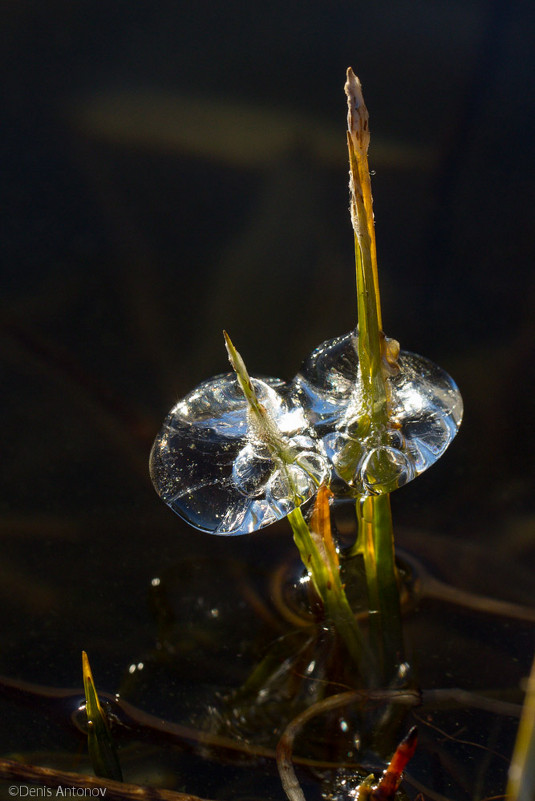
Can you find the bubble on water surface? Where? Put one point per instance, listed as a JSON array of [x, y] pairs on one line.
[[425, 414], [214, 468]]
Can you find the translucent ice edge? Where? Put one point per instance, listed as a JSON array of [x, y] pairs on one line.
[[425, 414], [209, 465]]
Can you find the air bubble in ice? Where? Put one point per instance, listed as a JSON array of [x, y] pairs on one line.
[[384, 469]]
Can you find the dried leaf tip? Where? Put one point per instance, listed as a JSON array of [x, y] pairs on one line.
[[357, 114]]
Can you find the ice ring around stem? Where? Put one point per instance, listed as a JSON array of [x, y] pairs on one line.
[[425, 411], [209, 464]]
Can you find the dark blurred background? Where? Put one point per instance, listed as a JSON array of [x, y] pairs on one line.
[[172, 168]]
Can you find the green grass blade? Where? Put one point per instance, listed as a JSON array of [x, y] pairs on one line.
[[521, 785], [99, 740], [264, 427], [370, 340]]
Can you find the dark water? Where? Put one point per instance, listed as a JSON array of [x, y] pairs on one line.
[[171, 170]]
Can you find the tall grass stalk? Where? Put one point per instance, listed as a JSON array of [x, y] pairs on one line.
[[375, 537]]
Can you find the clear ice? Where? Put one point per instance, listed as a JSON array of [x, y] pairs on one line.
[[213, 467], [223, 473], [425, 412]]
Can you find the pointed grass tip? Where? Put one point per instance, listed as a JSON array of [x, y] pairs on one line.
[[92, 699], [233, 355], [238, 365], [357, 114]]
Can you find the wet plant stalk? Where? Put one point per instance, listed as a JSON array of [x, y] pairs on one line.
[[318, 554], [315, 543], [375, 537], [376, 543], [370, 339]]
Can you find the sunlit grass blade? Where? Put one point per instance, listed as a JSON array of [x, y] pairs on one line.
[[264, 427], [244, 380], [99, 740], [377, 356], [521, 784], [370, 339]]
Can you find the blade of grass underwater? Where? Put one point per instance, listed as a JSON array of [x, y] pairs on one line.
[[99, 740]]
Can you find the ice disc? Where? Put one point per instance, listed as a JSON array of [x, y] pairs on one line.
[[211, 467], [425, 414]]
